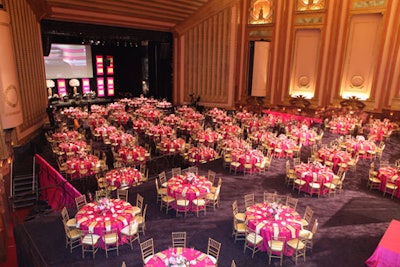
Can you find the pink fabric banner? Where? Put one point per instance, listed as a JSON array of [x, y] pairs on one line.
[[57, 191]]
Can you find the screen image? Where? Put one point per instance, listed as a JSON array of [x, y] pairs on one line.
[[69, 61]]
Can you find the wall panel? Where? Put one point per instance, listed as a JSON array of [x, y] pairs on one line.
[[361, 55], [305, 62], [30, 66], [206, 57]]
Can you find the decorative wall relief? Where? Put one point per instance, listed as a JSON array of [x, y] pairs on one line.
[[261, 12]]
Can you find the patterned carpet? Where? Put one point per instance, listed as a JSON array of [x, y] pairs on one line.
[[351, 224]]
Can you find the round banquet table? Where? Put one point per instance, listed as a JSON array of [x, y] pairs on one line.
[[123, 177], [141, 125], [96, 120], [228, 130], [198, 187], [132, 153], [334, 155], [201, 154], [261, 136], [185, 109], [342, 125], [151, 114], [314, 173], [88, 162], [243, 115], [196, 116], [262, 218], [159, 130], [188, 126], [357, 144], [306, 136], [100, 110], [283, 143], [72, 146], [243, 156], [223, 119], [65, 136], [215, 112], [121, 139], [233, 144], [171, 120], [117, 216], [391, 173], [194, 257], [105, 130], [172, 145], [164, 104], [121, 117], [207, 137]]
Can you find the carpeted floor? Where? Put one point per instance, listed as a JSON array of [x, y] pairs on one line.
[[351, 224]]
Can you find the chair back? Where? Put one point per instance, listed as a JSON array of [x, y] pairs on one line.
[[269, 197], [234, 208], [178, 239], [248, 200], [101, 193], [291, 202], [147, 249], [65, 215], [139, 201], [315, 227], [163, 177], [80, 201], [211, 176], [122, 194], [308, 213], [213, 248], [176, 171]]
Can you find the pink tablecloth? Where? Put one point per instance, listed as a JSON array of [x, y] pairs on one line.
[[263, 219], [88, 163], [361, 145], [283, 143], [201, 153], [123, 177], [172, 145], [199, 186], [72, 146], [316, 173], [334, 155], [65, 136], [387, 253], [132, 153], [391, 173], [194, 257], [251, 156], [228, 131], [117, 216]]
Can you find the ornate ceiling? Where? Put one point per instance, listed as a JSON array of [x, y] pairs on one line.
[[161, 15]]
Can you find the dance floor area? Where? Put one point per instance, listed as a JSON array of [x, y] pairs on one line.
[[351, 224]]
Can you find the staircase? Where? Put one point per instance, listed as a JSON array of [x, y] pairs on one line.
[[24, 191], [24, 186]]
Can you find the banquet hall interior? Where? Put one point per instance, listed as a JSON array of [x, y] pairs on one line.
[[260, 132]]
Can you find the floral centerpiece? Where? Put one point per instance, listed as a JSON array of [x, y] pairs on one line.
[[176, 260], [104, 204], [190, 177], [275, 210]]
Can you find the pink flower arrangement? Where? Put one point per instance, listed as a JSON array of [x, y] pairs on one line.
[[275, 210], [190, 177], [176, 260]]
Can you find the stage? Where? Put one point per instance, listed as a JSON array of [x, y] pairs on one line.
[[59, 104]]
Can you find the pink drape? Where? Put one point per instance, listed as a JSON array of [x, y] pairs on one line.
[[54, 188], [387, 254]]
